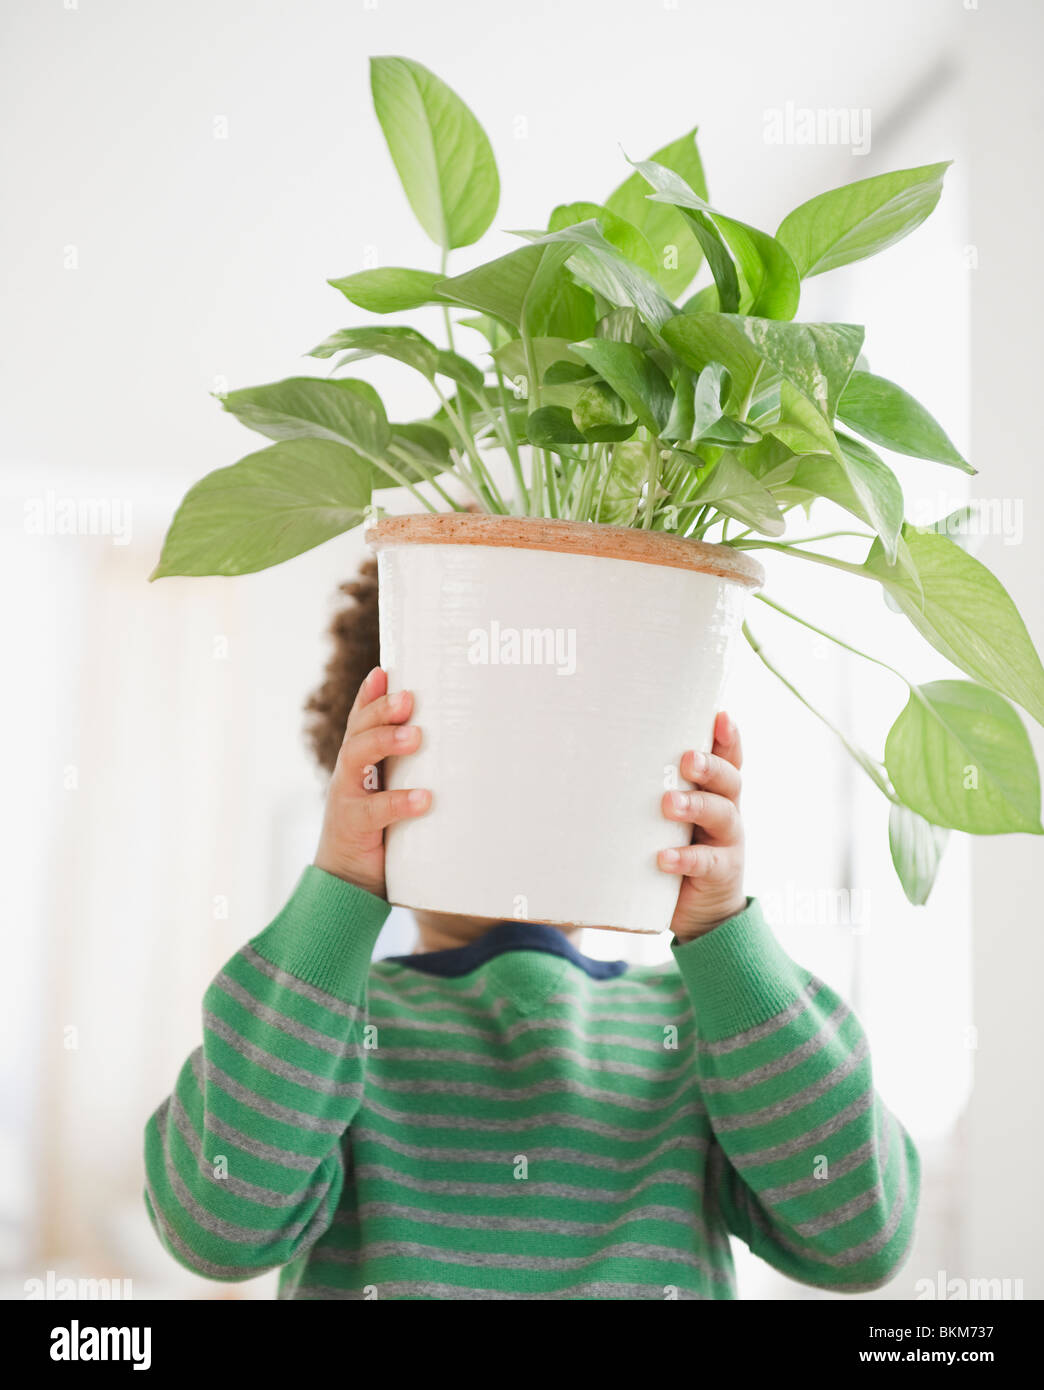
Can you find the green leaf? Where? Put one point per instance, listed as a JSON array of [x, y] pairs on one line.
[[266, 508], [628, 474], [766, 401], [772, 284], [365, 390], [510, 357], [675, 249], [380, 340], [859, 219], [704, 301], [702, 339], [632, 376], [862, 484], [770, 462], [682, 417], [962, 525], [570, 310], [347, 412], [442, 155], [878, 490], [601, 415], [731, 489], [707, 398], [801, 426], [620, 233], [491, 329], [527, 287], [881, 411], [626, 325], [600, 265], [670, 188], [460, 369], [563, 372], [966, 614], [816, 358], [427, 443], [959, 756], [390, 289], [710, 424], [917, 847], [552, 425], [728, 432], [546, 353]]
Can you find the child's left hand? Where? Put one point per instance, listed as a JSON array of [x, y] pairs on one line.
[[712, 866]]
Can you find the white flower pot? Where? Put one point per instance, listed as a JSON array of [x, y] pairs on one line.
[[560, 670]]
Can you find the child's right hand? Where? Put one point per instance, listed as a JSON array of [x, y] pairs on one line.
[[351, 845]]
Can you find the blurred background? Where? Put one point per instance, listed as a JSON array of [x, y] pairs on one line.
[[181, 180]]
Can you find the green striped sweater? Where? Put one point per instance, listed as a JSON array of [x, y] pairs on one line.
[[512, 1120]]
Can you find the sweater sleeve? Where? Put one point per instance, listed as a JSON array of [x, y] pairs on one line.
[[808, 1167], [243, 1161]]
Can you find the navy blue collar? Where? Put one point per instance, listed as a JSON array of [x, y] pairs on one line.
[[508, 936]]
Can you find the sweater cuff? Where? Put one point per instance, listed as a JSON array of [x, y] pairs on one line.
[[325, 934], [738, 975]]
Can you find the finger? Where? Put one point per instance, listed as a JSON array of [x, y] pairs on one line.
[[381, 809], [727, 742], [716, 815], [375, 684], [361, 752], [705, 862], [385, 709], [712, 773]]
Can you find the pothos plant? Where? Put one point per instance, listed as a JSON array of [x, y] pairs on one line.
[[621, 391]]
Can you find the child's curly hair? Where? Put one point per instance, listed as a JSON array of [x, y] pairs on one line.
[[356, 652]]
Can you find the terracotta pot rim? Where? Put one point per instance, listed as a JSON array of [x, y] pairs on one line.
[[568, 538]]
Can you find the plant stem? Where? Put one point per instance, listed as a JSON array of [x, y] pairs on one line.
[[698, 521], [804, 555], [864, 760], [607, 465], [541, 458], [549, 473], [536, 482], [652, 485], [824, 536], [430, 476], [820, 632], [582, 505], [483, 404], [512, 442], [482, 480], [393, 472], [445, 308]]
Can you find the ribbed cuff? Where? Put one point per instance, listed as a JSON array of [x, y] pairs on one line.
[[325, 934], [738, 975]]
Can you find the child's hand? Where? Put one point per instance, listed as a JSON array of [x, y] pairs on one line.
[[351, 845], [712, 866]]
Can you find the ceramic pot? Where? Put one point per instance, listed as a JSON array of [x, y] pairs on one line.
[[559, 671]]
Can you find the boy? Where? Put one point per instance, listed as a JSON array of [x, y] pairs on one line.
[[498, 1116]]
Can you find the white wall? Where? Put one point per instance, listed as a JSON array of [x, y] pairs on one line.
[[1003, 1212]]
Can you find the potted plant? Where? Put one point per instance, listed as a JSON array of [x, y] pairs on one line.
[[646, 416]]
